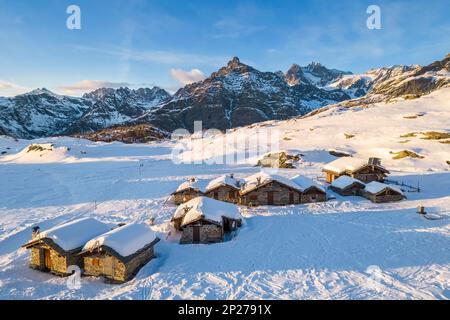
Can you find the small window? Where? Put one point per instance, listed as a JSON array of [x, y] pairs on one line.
[[96, 262]]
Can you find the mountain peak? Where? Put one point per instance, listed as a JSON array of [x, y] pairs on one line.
[[236, 64], [315, 64], [316, 67], [233, 63], [294, 67], [233, 66], [39, 91]]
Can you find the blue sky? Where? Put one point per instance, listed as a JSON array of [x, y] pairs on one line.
[[168, 43]]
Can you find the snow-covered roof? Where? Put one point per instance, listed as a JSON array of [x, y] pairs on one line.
[[74, 234], [376, 187], [193, 183], [305, 183], [344, 164], [225, 180], [125, 240], [262, 178], [208, 185], [345, 181], [206, 208]]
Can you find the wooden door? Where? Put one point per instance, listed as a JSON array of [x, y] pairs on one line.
[[291, 198], [196, 234], [270, 198], [108, 266], [47, 259]]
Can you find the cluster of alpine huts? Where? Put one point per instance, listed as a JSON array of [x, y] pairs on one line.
[[358, 177], [207, 212], [208, 209], [114, 253]]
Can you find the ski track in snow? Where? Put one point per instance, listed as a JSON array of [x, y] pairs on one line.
[[313, 251]]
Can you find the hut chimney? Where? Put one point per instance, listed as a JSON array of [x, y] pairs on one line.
[[258, 180], [232, 175], [35, 231], [375, 161], [421, 210]]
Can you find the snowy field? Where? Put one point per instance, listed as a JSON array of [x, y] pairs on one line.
[[346, 248]]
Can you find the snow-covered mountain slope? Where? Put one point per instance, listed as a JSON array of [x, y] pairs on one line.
[[238, 95], [392, 82], [112, 107], [361, 84], [346, 248], [375, 130], [314, 73], [41, 113]]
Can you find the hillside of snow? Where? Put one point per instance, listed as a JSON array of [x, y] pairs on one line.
[[346, 248], [379, 130]]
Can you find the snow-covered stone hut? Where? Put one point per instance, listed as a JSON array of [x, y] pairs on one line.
[[55, 249], [205, 220], [310, 191], [118, 255], [225, 188], [267, 189], [281, 159], [380, 192], [363, 170], [189, 190], [347, 186]]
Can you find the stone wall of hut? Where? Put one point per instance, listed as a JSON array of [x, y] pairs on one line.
[[35, 258], [387, 196], [281, 195], [230, 225], [353, 190], [224, 193], [135, 264], [112, 268], [59, 262], [104, 265], [369, 174], [185, 196], [313, 196], [330, 176], [209, 233]]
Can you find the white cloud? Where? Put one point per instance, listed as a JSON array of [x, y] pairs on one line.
[[11, 89], [5, 85], [90, 85], [187, 77]]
